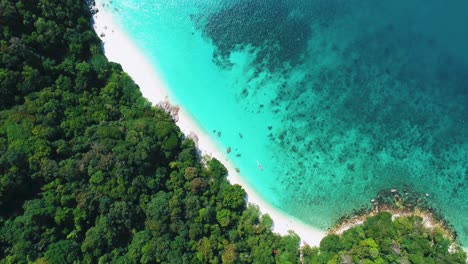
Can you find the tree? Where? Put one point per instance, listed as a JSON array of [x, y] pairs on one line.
[[229, 253], [223, 217], [330, 243], [90, 172], [63, 251], [234, 197]]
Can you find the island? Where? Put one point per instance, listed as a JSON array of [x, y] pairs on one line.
[[91, 172]]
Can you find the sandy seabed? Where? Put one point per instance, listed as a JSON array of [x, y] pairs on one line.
[[119, 48]]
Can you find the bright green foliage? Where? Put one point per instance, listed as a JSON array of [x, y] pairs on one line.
[[381, 240], [234, 197]]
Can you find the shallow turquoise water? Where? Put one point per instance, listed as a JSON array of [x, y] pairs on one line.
[[336, 99]]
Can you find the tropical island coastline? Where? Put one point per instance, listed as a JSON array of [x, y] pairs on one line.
[[92, 172], [119, 48]]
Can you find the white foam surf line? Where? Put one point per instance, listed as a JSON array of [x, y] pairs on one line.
[[120, 49]]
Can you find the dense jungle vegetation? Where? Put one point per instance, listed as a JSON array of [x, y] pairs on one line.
[[381, 240], [90, 172]]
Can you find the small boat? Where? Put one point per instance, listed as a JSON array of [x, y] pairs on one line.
[[260, 167]]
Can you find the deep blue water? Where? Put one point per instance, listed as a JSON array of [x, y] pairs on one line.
[[338, 99]]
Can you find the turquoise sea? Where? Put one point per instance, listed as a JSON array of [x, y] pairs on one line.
[[336, 99]]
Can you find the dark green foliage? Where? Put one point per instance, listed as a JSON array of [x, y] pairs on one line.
[[64, 251], [91, 173], [381, 240]]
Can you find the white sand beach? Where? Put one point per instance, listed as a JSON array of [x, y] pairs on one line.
[[120, 49]]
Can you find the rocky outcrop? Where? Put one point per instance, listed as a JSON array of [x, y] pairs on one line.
[[172, 110]]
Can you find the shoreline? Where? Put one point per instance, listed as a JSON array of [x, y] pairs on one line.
[[119, 48], [429, 220]]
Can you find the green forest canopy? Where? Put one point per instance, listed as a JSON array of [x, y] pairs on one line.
[[90, 172]]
